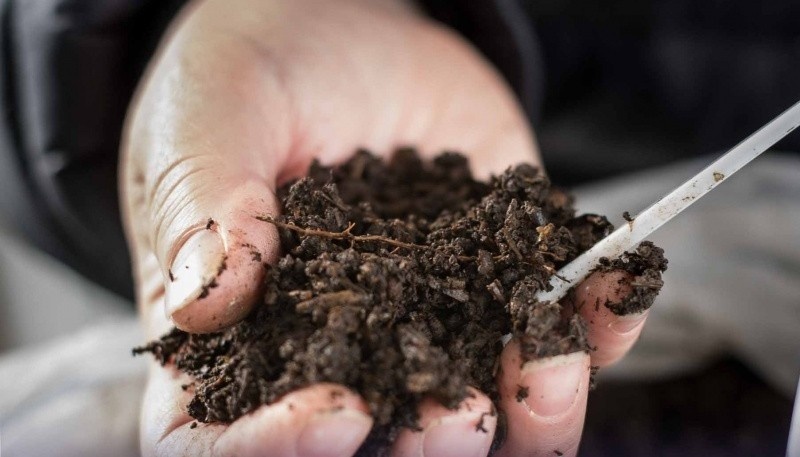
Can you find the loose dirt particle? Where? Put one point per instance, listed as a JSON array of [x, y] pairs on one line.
[[522, 393], [480, 427], [398, 280], [212, 283], [593, 376]]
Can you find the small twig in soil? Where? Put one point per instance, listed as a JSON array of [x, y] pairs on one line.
[[332, 201], [343, 235], [346, 235], [553, 271]]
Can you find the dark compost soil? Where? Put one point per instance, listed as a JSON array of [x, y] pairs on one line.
[[399, 280]]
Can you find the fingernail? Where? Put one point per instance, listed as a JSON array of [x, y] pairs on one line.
[[622, 325], [456, 438], [194, 270], [553, 383], [333, 433]]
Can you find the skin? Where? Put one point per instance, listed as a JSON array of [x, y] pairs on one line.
[[241, 96]]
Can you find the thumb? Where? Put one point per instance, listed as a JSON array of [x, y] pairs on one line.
[[198, 163], [202, 243], [215, 256]]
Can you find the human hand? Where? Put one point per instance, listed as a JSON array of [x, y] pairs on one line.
[[241, 97]]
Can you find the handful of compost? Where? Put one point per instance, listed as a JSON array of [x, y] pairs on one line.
[[399, 280]]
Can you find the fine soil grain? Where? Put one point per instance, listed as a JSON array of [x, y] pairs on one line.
[[398, 280]]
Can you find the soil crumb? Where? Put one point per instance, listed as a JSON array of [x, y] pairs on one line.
[[398, 279], [645, 264]]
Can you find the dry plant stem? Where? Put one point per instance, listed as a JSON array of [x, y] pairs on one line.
[[347, 235], [343, 235]]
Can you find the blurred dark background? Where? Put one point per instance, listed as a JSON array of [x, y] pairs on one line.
[[632, 84], [724, 410]]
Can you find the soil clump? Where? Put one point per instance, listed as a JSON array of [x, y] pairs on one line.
[[398, 279]]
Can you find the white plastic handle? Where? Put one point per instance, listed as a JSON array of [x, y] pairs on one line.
[[646, 222]]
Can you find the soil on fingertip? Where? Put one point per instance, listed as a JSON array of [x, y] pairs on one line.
[[644, 266], [399, 279]]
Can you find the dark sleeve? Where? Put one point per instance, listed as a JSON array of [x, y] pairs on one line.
[[69, 68]]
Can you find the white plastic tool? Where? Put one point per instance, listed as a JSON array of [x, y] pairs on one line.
[[630, 234], [793, 449]]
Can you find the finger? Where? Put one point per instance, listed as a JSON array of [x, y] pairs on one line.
[[544, 402], [610, 334], [165, 428], [199, 163], [465, 432], [324, 420]]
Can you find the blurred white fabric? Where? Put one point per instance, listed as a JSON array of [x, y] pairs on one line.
[[68, 383], [69, 387], [76, 396], [41, 299], [733, 283]]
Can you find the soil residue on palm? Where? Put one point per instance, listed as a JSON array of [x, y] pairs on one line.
[[398, 280]]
